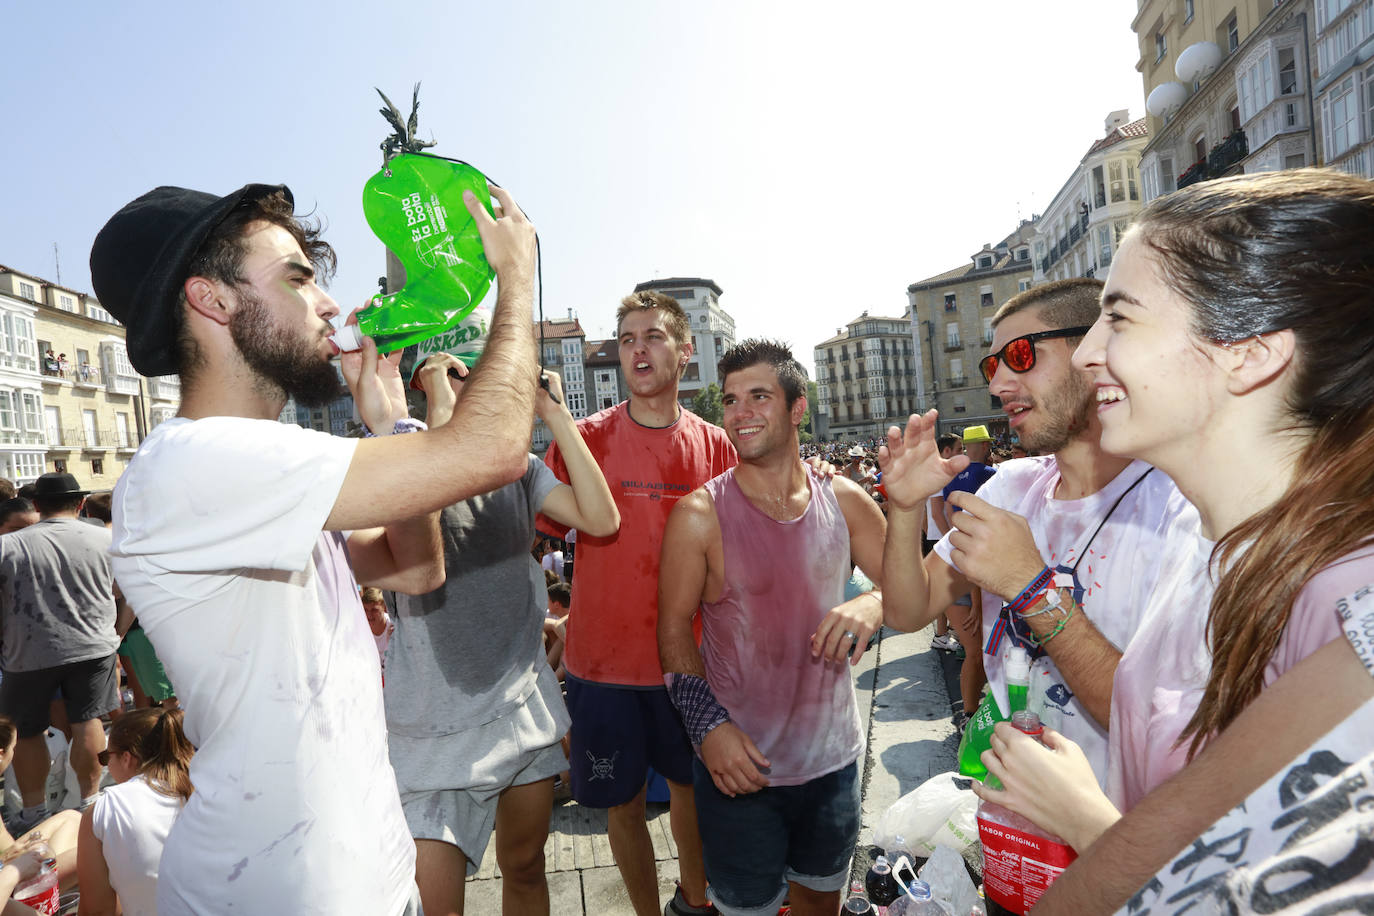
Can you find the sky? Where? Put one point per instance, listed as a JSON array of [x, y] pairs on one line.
[[811, 159]]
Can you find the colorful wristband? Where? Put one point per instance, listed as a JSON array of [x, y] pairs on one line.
[[403, 425], [1031, 592], [1043, 641], [696, 704]]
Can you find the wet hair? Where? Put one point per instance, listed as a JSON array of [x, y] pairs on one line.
[[156, 738], [220, 257], [1061, 304], [947, 441], [674, 318], [561, 593], [1253, 254], [98, 506], [752, 352]]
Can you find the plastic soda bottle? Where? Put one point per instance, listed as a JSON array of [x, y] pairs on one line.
[[882, 887], [415, 206], [916, 901], [41, 891], [1018, 678], [1020, 860]]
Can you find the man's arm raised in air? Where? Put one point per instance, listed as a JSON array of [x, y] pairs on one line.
[[587, 504], [486, 444], [915, 593], [996, 551], [693, 573]]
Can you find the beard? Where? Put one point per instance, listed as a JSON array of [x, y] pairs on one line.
[[1064, 415], [291, 366]]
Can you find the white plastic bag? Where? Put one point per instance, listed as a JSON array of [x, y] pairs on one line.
[[940, 811]]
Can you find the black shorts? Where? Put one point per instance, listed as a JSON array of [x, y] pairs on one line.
[[89, 688], [617, 734]]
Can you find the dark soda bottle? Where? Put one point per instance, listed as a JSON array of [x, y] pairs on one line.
[[881, 886]]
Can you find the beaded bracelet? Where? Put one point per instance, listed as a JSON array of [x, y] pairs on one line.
[[1058, 628]]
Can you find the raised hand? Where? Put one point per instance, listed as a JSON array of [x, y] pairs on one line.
[[912, 467]]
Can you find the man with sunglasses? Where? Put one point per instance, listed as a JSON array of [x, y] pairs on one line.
[[1063, 546]]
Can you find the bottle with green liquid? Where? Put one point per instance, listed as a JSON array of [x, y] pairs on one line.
[[978, 732], [414, 205]]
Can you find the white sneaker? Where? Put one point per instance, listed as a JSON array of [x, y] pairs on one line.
[[946, 643]]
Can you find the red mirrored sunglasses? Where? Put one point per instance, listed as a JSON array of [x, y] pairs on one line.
[[1019, 353]]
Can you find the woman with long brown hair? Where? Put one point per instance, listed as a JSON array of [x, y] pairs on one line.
[[1235, 352], [123, 833]]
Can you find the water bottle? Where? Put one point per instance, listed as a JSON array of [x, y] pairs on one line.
[[917, 901], [415, 206]]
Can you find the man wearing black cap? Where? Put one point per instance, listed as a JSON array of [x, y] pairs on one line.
[[57, 625], [234, 535]]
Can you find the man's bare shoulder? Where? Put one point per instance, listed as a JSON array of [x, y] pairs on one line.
[[696, 507]]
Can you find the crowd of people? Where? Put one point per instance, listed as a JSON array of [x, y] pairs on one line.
[[344, 699]]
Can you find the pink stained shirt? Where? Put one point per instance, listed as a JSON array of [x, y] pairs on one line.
[[1161, 677], [781, 579]]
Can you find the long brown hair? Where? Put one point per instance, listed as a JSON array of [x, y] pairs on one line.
[[156, 738], [1255, 254]]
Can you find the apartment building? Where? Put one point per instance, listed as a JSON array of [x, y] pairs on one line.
[[1344, 83], [951, 328], [865, 378]]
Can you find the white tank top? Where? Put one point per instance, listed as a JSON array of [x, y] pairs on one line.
[[131, 821]]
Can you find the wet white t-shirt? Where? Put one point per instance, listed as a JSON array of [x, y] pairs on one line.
[[1111, 573], [254, 612]]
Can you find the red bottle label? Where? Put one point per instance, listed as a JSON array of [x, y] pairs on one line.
[[1017, 866]]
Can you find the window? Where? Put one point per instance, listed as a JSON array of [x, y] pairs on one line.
[[59, 465], [1232, 34], [1099, 188], [1235, 118], [122, 429], [985, 262], [88, 425], [1187, 11], [693, 372], [1022, 285], [949, 302], [952, 335], [1200, 147], [1130, 181], [27, 291], [987, 329], [29, 401], [98, 467], [8, 418], [1104, 246], [1369, 98], [956, 371], [985, 300], [1168, 179], [1295, 161], [1118, 184], [1161, 46], [1288, 72], [98, 313], [1342, 128], [66, 303]]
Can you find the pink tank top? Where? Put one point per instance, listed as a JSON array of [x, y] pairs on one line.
[[781, 579]]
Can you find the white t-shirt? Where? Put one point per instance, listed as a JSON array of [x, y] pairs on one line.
[[131, 821], [254, 612], [1301, 842], [553, 562], [1114, 576]]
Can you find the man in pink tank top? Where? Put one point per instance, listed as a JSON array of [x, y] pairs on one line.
[[768, 698]]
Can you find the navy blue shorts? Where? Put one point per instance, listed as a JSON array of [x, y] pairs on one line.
[[617, 734], [754, 844], [88, 689]]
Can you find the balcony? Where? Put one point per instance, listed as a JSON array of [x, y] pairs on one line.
[[164, 388], [1075, 233], [84, 375], [958, 381], [20, 437], [952, 346], [1194, 173], [1227, 153]]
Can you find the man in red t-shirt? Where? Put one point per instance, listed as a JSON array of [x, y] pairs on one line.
[[652, 453]]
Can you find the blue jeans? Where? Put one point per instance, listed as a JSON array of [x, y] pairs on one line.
[[754, 844]]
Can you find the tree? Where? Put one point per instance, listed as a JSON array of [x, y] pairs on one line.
[[706, 404]]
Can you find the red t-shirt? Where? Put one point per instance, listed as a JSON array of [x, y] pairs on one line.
[[612, 632]]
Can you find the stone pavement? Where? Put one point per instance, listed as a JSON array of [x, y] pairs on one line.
[[905, 708]]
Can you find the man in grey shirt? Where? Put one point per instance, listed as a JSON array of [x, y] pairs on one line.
[[473, 711], [57, 624]]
